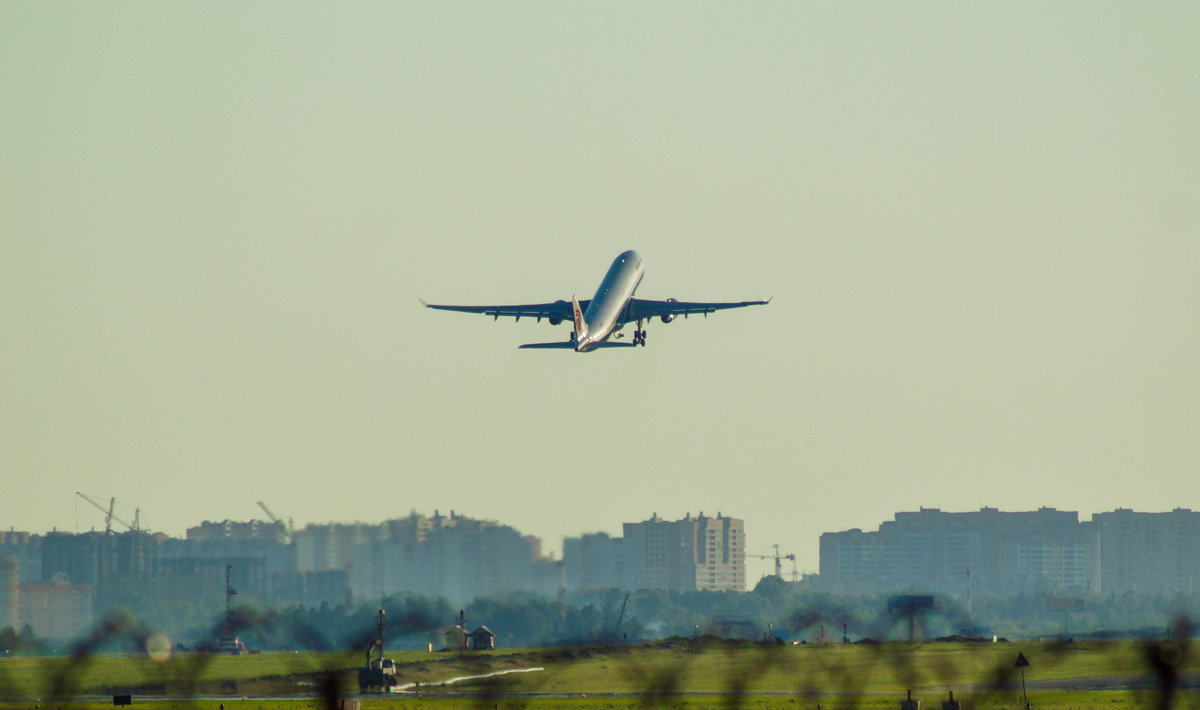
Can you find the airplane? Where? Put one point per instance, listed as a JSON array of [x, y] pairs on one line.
[[602, 317]]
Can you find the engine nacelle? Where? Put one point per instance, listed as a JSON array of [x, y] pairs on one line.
[[554, 321], [670, 316]]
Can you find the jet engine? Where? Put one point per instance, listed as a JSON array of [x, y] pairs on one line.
[[566, 306], [670, 316]]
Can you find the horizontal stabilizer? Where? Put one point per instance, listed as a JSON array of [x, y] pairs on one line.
[[556, 345], [560, 345]]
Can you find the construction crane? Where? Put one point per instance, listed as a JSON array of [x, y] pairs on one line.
[[288, 528], [778, 561], [621, 616], [110, 516]]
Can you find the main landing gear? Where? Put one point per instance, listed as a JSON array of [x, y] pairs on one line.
[[639, 335]]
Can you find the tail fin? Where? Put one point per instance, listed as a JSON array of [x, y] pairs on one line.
[[580, 324]]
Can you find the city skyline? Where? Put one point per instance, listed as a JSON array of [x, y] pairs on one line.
[[980, 225], [764, 552], [60, 582]]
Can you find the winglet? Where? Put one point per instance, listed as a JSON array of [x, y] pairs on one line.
[[423, 303], [580, 324]]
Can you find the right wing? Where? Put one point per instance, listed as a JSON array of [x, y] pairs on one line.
[[640, 308], [558, 310]]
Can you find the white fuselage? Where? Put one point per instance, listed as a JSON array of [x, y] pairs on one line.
[[605, 313]]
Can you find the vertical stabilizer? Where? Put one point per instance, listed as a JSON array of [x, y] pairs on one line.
[[580, 324]]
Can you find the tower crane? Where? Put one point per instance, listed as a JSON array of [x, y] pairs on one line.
[[110, 516], [288, 528], [778, 560]]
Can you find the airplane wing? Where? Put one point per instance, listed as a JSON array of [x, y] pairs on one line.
[[640, 308], [558, 310]]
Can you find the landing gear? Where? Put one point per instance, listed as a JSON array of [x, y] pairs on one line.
[[639, 335], [573, 338]]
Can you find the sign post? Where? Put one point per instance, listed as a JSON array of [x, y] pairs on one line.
[[1023, 663]]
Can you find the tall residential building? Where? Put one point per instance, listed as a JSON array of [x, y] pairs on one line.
[[392, 558], [229, 539], [593, 561], [930, 550], [258, 530], [113, 564], [57, 609], [475, 558], [330, 546], [1149, 552], [10, 592], [684, 555], [27, 548], [453, 556]]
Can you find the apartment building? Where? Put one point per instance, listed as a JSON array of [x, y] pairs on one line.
[[700, 553], [1149, 553], [993, 551]]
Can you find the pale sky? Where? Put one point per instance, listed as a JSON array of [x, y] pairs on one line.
[[980, 224]]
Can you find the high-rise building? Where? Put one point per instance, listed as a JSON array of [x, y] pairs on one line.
[[10, 592], [685, 555], [57, 609], [475, 558], [593, 561], [935, 551], [236, 530], [1149, 552], [27, 548]]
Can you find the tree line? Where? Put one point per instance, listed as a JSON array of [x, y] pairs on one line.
[[773, 611]]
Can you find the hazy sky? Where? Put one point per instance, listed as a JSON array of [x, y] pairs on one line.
[[980, 224]]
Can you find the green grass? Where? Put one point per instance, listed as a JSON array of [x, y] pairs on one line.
[[890, 668], [1057, 700], [779, 676]]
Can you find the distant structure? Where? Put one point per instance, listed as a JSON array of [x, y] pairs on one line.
[[10, 592], [229, 642], [459, 639], [482, 639], [1046, 550], [594, 561], [931, 550], [454, 557], [457, 636], [695, 553], [58, 608], [60, 582], [65, 580], [1152, 553], [699, 553]]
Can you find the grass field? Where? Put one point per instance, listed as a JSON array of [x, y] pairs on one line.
[[1043, 701], [659, 675]]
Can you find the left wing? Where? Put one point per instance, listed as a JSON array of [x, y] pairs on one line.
[[640, 308], [558, 310]]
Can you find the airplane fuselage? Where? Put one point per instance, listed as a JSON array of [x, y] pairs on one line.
[[605, 314]]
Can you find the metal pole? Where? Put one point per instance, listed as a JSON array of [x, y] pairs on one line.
[[1023, 693]]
